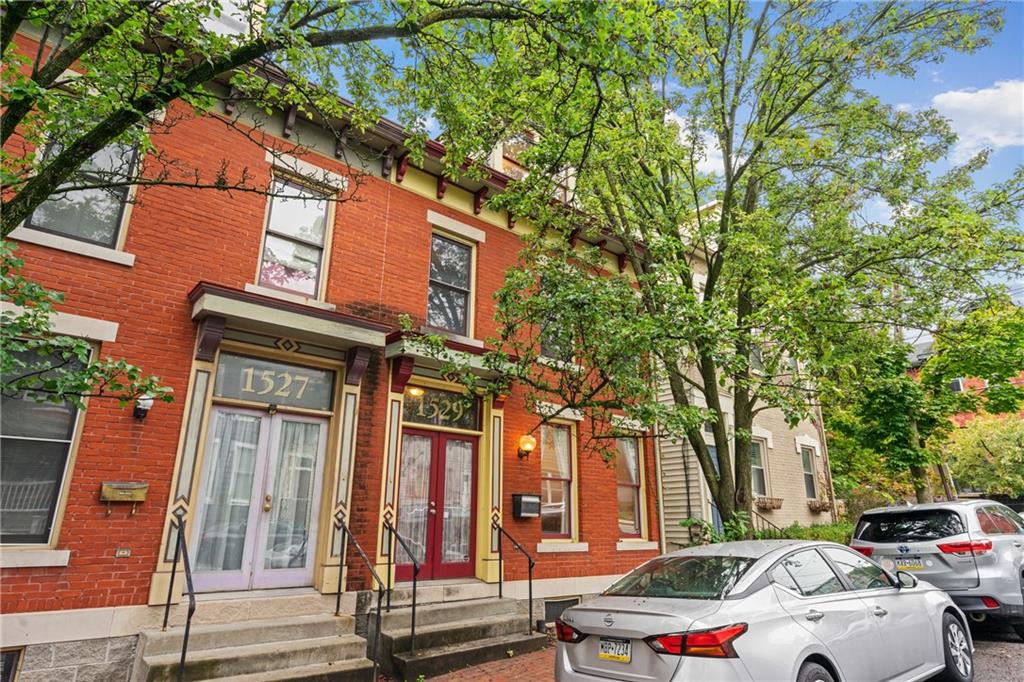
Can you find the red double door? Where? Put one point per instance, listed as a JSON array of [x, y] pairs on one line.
[[437, 504]]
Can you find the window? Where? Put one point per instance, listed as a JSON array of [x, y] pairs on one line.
[[994, 521], [956, 385], [862, 574], [293, 247], [36, 441], [682, 577], [90, 215], [448, 298], [556, 480], [810, 573], [9, 659], [759, 483], [810, 480], [909, 526], [627, 473]]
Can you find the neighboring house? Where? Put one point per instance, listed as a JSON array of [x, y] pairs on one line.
[[299, 407]]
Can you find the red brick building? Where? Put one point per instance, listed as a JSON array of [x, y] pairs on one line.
[[298, 404]]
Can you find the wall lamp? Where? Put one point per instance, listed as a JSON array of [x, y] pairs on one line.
[[143, 404], [527, 444]]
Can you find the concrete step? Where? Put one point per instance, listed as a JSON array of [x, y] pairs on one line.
[[429, 592], [431, 614], [248, 659], [215, 636], [446, 659], [355, 670], [454, 632]]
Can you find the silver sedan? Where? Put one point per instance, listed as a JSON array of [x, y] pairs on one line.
[[774, 610]]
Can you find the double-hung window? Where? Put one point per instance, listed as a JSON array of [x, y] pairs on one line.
[[293, 247], [36, 439], [93, 214], [449, 296], [556, 480], [627, 473], [810, 481], [759, 483]]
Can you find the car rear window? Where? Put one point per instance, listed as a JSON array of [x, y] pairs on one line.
[[682, 577], [909, 526]]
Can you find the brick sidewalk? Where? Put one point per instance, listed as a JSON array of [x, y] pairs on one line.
[[538, 666]]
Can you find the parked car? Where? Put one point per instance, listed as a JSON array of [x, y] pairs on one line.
[[767, 610], [973, 549]]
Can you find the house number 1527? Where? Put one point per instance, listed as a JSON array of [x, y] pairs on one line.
[[269, 382]]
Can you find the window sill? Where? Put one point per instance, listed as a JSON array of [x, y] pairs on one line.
[[458, 338], [54, 241], [12, 557], [635, 546], [555, 363], [285, 296], [554, 546]]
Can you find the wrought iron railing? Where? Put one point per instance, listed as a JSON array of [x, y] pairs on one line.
[[181, 554], [392, 536], [346, 536], [530, 563], [765, 529]]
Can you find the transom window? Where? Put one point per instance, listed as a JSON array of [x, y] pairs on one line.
[[36, 440], [293, 248], [759, 482], [448, 298], [556, 480], [90, 215], [627, 473], [810, 481]]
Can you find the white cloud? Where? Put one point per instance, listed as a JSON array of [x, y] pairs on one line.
[[712, 161], [991, 117], [904, 107]]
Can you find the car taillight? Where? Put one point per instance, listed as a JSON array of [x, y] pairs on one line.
[[866, 551], [567, 633], [716, 643], [975, 547], [990, 603]]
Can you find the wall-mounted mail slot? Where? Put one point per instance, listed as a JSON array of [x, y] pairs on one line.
[[525, 506], [123, 492]]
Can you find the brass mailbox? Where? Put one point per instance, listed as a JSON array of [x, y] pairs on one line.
[[123, 491]]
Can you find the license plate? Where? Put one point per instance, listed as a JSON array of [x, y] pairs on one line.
[[615, 649], [909, 563]]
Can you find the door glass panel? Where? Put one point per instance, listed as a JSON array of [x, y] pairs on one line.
[[413, 495], [458, 500], [292, 502], [227, 494]]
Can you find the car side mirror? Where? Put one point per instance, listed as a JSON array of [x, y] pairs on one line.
[[906, 579]]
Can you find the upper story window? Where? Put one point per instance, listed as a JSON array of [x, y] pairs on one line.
[[810, 481], [36, 439], [556, 480], [90, 215], [758, 480], [627, 474], [294, 245], [449, 298]]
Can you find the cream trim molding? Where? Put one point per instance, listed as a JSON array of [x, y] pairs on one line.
[[555, 546], [285, 296], [635, 545], [76, 246], [809, 442], [455, 227], [78, 326], [16, 557], [558, 412], [307, 170], [763, 434]]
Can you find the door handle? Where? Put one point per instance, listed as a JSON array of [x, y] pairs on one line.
[[266, 502], [432, 509], [879, 611], [813, 615]]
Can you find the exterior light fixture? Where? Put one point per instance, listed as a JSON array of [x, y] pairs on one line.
[[415, 391], [143, 404], [527, 444]]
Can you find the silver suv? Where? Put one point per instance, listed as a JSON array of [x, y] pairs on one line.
[[973, 549]]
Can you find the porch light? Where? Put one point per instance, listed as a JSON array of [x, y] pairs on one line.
[[527, 444], [143, 404], [415, 391]]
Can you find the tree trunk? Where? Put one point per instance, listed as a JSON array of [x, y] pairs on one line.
[[948, 486], [920, 477]]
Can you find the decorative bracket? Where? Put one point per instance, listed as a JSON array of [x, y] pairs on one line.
[[401, 370], [387, 162], [358, 358], [573, 237], [340, 141], [510, 221], [498, 401], [622, 261], [442, 186], [402, 168], [231, 103], [479, 197], [211, 331], [289, 121]]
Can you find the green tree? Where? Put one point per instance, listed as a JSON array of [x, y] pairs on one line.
[[987, 454], [745, 286]]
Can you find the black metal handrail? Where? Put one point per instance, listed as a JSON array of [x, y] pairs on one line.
[[530, 563], [392, 536], [765, 529], [346, 536], [181, 553]]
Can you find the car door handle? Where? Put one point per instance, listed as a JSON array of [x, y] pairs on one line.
[[879, 611], [813, 615]]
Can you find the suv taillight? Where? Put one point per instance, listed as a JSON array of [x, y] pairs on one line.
[[567, 633], [715, 643], [968, 548]]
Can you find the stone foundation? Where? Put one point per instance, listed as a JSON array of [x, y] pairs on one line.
[[88, 660]]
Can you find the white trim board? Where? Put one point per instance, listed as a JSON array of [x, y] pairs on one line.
[[75, 246], [78, 326], [456, 227]]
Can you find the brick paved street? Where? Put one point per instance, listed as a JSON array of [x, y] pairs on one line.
[[534, 667]]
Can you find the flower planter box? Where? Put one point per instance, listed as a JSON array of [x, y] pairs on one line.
[[768, 503], [818, 506]]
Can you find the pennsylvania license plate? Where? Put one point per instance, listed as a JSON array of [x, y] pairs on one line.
[[909, 563], [615, 649]]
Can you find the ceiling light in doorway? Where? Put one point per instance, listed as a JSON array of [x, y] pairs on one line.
[[415, 391]]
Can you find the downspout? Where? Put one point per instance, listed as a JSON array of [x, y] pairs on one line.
[[820, 423], [660, 499]]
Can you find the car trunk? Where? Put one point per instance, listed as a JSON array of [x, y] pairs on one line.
[[616, 620]]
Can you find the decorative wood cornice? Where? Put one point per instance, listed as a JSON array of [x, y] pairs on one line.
[[356, 361], [401, 370], [211, 331]]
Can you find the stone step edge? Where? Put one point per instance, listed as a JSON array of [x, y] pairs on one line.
[[457, 624], [314, 671], [233, 652]]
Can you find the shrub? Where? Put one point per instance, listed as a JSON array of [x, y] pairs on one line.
[[840, 532]]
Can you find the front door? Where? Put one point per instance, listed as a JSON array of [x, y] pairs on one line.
[[436, 498], [260, 494]]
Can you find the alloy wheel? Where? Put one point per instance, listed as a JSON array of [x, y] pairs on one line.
[[959, 649]]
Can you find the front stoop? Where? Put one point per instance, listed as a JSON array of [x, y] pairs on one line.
[[453, 635], [297, 648]]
